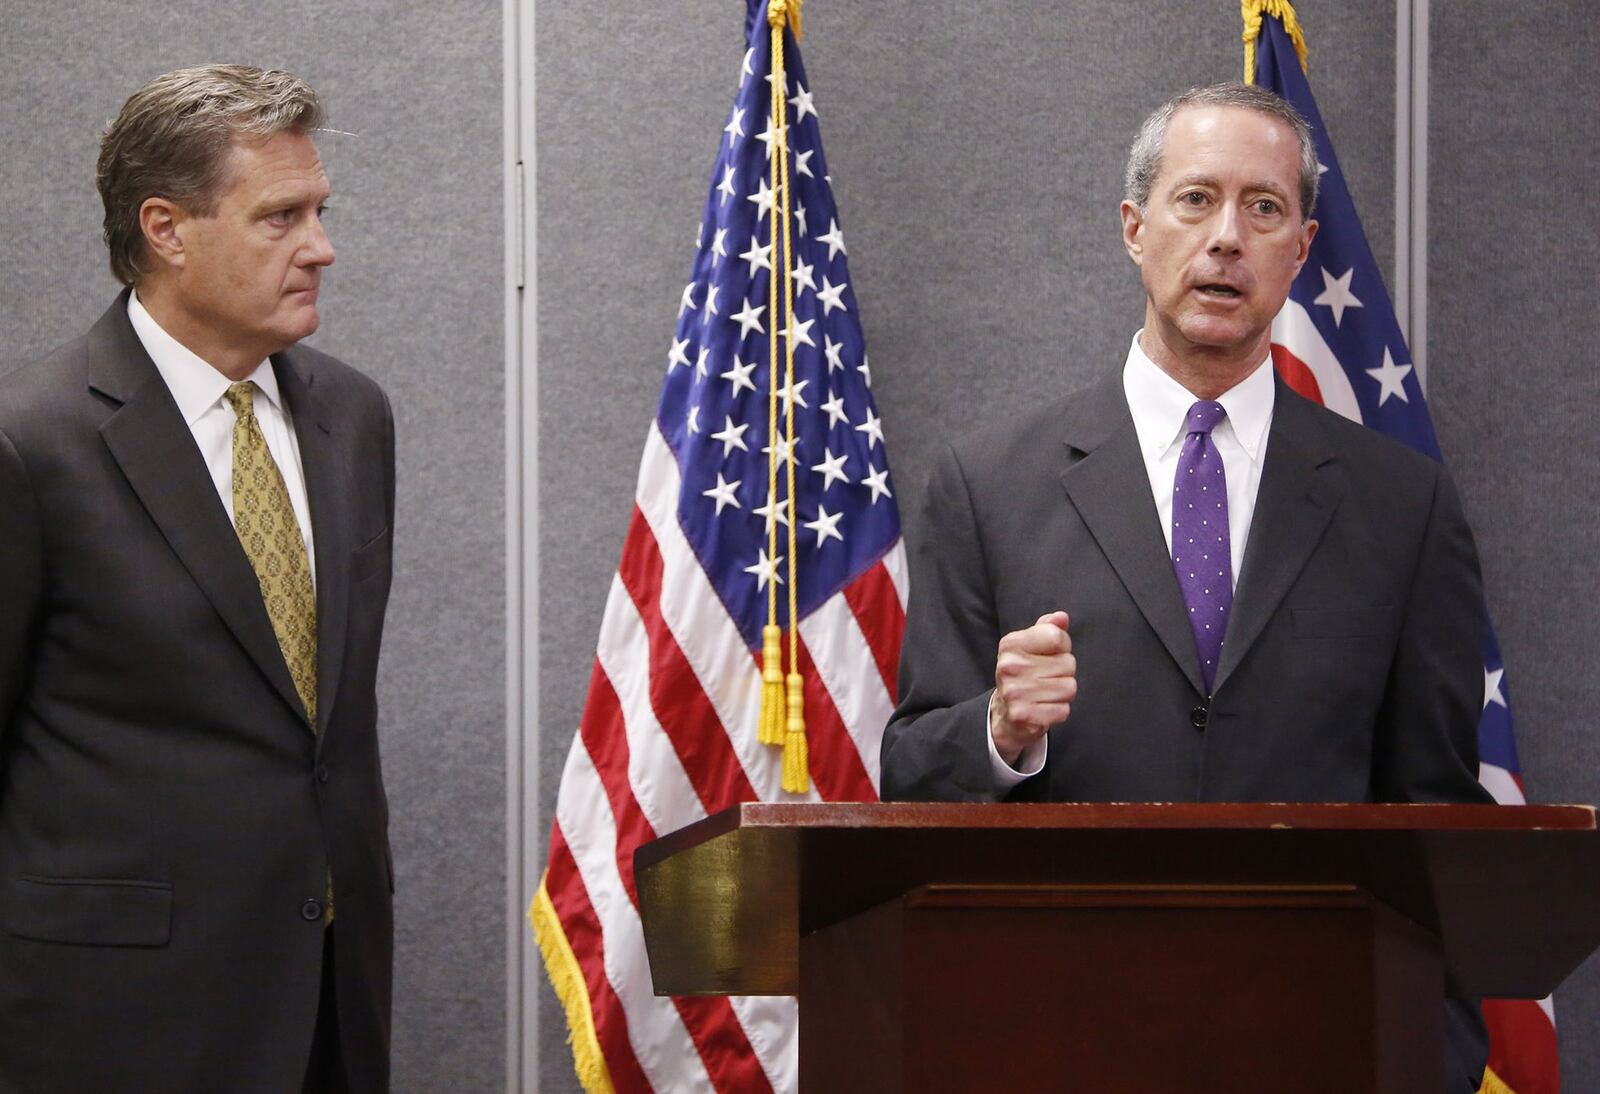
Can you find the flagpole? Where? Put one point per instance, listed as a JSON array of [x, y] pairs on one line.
[[524, 827], [1411, 95]]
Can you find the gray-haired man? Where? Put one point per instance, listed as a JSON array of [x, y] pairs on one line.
[[195, 883], [1187, 583]]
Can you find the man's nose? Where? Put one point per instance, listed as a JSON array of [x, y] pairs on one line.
[[318, 248], [1224, 231]]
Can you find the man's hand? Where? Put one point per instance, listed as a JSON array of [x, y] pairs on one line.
[[1035, 681]]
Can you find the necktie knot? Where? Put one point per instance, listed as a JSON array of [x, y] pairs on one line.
[[242, 397], [1204, 415]]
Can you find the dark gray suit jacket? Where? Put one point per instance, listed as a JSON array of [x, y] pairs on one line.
[[166, 812], [1351, 669]]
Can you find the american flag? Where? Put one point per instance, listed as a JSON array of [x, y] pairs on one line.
[[669, 730], [1337, 341]]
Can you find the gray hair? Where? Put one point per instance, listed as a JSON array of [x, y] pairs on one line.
[[1144, 159], [172, 139]]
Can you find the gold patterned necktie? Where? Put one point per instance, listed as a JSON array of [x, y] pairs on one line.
[[265, 521]]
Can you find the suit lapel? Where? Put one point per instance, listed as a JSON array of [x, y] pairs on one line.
[[328, 494], [153, 446], [1108, 485], [1296, 500]]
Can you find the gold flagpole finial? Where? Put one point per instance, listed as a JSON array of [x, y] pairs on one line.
[[1253, 11]]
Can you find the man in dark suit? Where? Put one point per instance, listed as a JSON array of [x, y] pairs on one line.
[[1188, 583], [195, 881]]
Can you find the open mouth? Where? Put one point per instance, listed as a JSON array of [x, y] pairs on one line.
[[1224, 292]]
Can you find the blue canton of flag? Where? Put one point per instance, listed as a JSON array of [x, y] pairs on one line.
[[713, 410], [1337, 341]]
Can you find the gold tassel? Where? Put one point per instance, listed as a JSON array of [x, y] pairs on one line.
[[1253, 11], [796, 758], [771, 685]]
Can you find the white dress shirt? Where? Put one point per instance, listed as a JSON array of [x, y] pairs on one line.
[[198, 389], [1160, 406]]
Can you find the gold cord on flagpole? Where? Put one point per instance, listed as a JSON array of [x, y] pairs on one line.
[[773, 707], [796, 777], [770, 731], [796, 760], [1253, 11]]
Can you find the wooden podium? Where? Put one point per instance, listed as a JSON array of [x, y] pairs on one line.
[[1115, 948]]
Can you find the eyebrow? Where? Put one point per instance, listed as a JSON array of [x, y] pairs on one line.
[[284, 200]]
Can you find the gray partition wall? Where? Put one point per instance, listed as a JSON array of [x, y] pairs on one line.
[[414, 299], [976, 154]]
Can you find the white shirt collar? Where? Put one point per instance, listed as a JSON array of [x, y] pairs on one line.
[[196, 386], [1159, 404]]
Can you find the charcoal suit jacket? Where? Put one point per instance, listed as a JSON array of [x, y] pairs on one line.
[[169, 820], [1351, 669]]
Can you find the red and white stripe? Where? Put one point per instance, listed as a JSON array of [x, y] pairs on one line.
[[668, 735], [1308, 365]]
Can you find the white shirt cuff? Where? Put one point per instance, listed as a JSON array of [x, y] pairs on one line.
[[1029, 763]]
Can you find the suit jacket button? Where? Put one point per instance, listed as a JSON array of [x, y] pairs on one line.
[[311, 911], [322, 773], [1198, 717]]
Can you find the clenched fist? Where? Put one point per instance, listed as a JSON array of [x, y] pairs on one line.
[[1035, 682]]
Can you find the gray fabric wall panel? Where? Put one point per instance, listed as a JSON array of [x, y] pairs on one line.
[[1514, 264], [414, 300], [976, 153]]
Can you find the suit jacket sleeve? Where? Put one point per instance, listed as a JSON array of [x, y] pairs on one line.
[[934, 748], [1426, 737], [21, 576]]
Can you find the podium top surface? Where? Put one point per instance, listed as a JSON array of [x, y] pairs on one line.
[[1120, 815], [1509, 890]]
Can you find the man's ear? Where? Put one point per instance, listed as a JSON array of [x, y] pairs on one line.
[[162, 222], [1308, 232], [1133, 232]]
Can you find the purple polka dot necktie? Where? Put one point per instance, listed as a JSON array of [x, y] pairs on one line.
[[1201, 552]]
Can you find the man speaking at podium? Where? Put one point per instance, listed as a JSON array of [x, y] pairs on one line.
[[1188, 583], [194, 567]]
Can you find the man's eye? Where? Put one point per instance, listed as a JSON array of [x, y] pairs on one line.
[[1266, 207], [1193, 197], [278, 218]]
